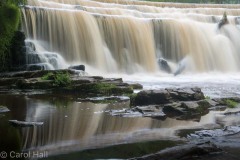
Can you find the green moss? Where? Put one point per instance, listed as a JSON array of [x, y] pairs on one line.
[[102, 88], [207, 97], [231, 103], [132, 97], [60, 79]]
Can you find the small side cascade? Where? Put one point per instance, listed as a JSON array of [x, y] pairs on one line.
[[39, 59]]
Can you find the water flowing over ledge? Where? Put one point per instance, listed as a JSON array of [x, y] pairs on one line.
[[129, 37]]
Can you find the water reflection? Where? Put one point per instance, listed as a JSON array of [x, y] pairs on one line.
[[72, 126]]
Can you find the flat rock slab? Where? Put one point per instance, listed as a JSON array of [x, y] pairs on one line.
[[4, 109], [187, 110], [168, 95], [140, 111], [105, 99], [17, 123], [74, 83], [227, 131]]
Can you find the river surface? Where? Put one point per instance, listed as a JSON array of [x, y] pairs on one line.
[[83, 129]]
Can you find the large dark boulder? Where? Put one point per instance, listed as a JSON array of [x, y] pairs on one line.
[[164, 66], [164, 96]]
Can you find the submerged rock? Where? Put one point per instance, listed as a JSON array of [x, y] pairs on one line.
[[17, 123]]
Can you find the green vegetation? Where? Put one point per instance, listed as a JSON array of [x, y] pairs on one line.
[[60, 79], [102, 88], [132, 98], [9, 23], [231, 103], [207, 97], [14, 2], [200, 1]]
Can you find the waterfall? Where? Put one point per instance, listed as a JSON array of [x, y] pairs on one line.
[[129, 36]]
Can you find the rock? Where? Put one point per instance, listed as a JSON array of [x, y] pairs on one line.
[[4, 109], [17, 123], [164, 96], [223, 21], [38, 67], [8, 81], [109, 99], [35, 74], [187, 110], [65, 81], [230, 102], [164, 66], [30, 45], [183, 152], [136, 86], [143, 111], [77, 67], [227, 131], [53, 62], [33, 58]]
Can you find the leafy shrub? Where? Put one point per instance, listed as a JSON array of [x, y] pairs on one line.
[[9, 22]]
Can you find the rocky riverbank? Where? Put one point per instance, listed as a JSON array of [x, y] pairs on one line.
[[65, 81]]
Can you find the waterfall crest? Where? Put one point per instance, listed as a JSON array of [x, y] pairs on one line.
[[129, 36]]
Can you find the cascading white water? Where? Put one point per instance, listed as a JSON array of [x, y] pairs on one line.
[[37, 58], [129, 36]]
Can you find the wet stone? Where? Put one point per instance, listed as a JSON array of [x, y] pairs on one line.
[[4, 109], [17, 123]]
